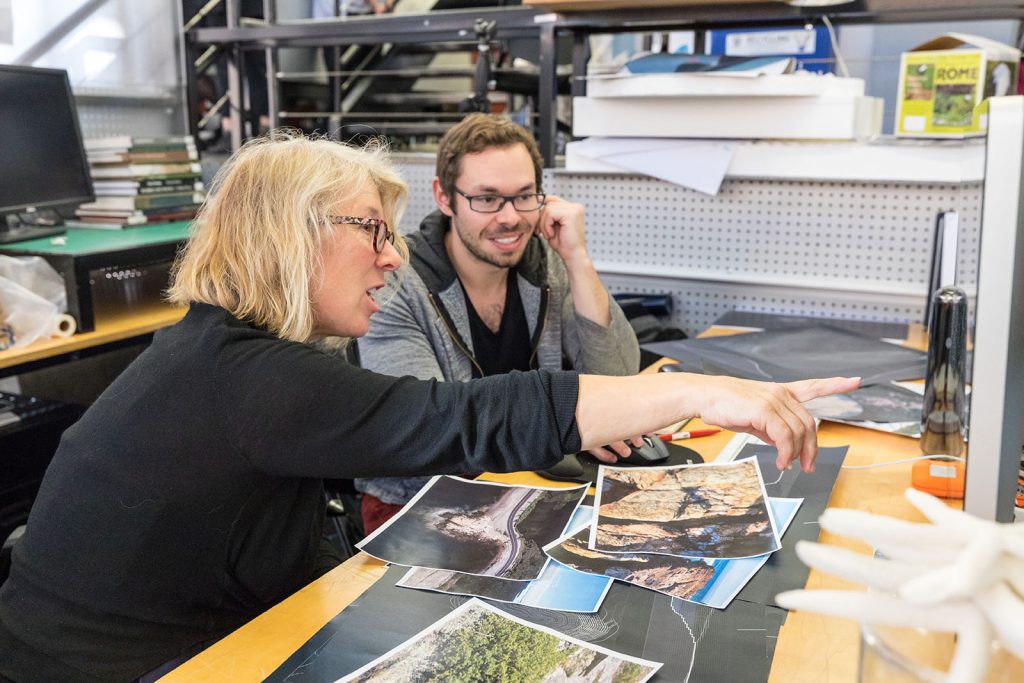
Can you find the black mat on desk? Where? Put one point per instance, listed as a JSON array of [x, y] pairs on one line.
[[784, 571], [774, 321], [794, 354], [696, 643], [731, 645]]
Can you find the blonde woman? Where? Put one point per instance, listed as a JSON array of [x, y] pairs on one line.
[[188, 499]]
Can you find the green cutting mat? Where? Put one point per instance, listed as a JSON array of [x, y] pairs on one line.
[[81, 241]]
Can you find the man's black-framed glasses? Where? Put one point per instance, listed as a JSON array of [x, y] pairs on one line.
[[493, 203], [378, 227]]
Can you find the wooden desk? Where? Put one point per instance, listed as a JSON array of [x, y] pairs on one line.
[[111, 331], [75, 255], [810, 647]]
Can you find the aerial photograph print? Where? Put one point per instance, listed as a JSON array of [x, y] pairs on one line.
[[476, 527]]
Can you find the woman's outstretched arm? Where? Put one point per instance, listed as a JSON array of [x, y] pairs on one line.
[[616, 408]]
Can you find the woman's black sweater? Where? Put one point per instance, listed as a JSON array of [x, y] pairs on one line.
[[188, 499]]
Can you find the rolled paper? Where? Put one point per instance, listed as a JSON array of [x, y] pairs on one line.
[[63, 326]]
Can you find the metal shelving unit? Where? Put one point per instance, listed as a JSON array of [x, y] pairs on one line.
[[548, 28], [436, 31]]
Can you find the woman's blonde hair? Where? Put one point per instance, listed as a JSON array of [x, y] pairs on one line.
[[255, 245]]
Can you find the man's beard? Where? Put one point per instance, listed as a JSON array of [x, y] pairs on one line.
[[499, 260]]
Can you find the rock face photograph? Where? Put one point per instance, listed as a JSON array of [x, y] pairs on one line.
[[476, 642], [679, 577], [707, 582], [714, 511], [476, 527]]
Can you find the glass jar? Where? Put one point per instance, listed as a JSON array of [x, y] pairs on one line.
[[893, 654]]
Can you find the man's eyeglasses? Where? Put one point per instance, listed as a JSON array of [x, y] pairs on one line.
[[493, 203], [378, 227]]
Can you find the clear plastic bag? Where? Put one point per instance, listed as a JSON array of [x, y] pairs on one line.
[[32, 301]]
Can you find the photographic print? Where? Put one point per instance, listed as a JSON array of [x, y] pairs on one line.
[[558, 586], [877, 403], [477, 642], [476, 527], [882, 407], [711, 510], [707, 582]]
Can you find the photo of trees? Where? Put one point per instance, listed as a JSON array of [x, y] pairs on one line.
[[479, 643]]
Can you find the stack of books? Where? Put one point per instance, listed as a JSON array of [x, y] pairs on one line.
[[140, 181]]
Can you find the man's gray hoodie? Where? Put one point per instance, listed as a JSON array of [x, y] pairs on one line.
[[423, 328]]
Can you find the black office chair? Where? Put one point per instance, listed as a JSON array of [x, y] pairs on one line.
[[344, 523], [7, 549]]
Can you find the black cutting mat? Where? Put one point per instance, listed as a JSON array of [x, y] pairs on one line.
[[695, 643], [728, 645], [793, 354]]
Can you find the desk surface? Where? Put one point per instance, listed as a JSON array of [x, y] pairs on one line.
[[811, 647], [114, 328], [134, 322]]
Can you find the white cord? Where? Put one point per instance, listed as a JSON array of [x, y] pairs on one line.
[[840, 62], [939, 456]]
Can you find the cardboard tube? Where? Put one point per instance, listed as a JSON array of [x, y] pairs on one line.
[[63, 326]]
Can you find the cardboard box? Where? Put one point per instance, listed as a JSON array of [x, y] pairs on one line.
[[943, 82]]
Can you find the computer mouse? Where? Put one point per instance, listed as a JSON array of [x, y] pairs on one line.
[[652, 452]]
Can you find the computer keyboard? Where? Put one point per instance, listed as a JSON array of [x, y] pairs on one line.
[[23, 410]]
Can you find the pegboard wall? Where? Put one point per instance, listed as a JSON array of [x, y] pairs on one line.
[[853, 250], [418, 172]]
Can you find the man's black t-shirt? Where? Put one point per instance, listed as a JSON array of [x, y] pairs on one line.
[[509, 348]]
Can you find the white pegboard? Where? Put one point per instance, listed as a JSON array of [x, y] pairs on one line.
[[851, 250], [871, 237], [418, 171]]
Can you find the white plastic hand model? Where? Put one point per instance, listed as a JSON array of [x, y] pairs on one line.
[[959, 574]]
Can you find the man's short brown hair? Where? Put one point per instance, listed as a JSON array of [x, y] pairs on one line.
[[476, 133]]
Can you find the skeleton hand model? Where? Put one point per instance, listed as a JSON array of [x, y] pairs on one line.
[[957, 574]]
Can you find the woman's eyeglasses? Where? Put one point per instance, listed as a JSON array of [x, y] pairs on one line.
[[378, 227]]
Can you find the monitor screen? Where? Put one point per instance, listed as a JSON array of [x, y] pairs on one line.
[[42, 160]]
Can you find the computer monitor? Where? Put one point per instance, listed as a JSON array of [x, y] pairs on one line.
[[43, 166], [996, 424]]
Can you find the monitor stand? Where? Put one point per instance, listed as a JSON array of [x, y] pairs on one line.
[[17, 228]]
